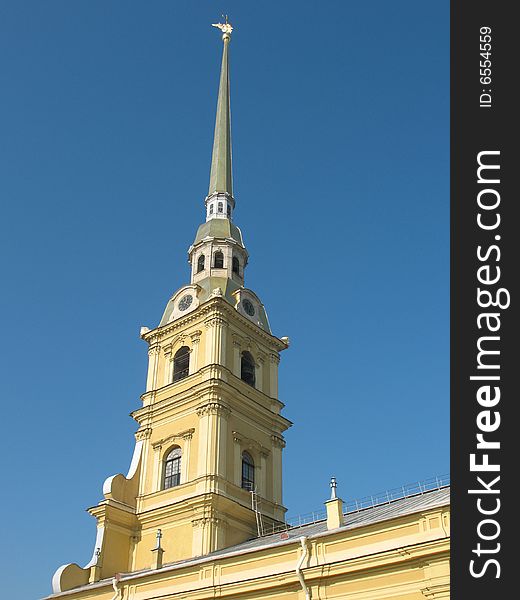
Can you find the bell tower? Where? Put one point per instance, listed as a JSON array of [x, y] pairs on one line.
[[210, 431]]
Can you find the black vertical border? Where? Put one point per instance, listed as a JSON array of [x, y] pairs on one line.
[[474, 129]]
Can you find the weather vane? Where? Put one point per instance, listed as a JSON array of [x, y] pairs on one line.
[[225, 27]]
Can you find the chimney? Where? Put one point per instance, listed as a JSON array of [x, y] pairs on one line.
[[334, 507]]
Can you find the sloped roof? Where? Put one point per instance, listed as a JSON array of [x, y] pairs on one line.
[[367, 516]]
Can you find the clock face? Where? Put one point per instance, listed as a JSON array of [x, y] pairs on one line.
[[185, 302], [248, 307]]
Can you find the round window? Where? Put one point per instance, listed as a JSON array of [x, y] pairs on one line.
[[185, 302], [248, 307]]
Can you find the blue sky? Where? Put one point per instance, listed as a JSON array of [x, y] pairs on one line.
[[340, 140]]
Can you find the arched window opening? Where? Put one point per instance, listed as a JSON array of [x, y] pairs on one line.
[[172, 468], [236, 265], [200, 263], [211, 209], [220, 207], [247, 369], [248, 472], [218, 261], [181, 364]]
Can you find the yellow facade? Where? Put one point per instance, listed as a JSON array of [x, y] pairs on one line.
[[185, 521], [406, 557]]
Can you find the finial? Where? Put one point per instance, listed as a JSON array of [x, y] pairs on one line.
[[225, 27], [158, 540], [333, 486]]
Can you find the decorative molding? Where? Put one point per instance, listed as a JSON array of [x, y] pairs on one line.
[[215, 321], [209, 308], [185, 435], [154, 349], [143, 434], [274, 358], [250, 444], [205, 521], [278, 441], [195, 336], [213, 408]]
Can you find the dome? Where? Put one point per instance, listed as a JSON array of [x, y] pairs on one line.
[[219, 228]]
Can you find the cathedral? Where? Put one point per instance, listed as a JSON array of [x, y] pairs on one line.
[[200, 512]]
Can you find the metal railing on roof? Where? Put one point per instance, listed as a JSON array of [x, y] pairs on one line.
[[352, 506]]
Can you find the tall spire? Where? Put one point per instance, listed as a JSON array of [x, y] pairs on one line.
[[221, 177]]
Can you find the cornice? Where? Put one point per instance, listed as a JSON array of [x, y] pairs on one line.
[[218, 390], [213, 385], [213, 305]]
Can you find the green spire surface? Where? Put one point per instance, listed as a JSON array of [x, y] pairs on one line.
[[221, 177]]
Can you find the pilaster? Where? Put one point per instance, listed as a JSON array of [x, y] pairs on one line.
[[194, 356], [278, 443], [274, 361], [153, 365]]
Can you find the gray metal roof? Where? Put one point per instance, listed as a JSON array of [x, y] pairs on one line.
[[367, 516]]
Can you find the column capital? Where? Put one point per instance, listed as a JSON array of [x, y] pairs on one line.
[[214, 321], [195, 336], [154, 349], [278, 441], [143, 434], [274, 358], [213, 408]]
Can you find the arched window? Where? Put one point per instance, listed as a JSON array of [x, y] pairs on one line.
[[172, 468], [211, 209], [218, 260], [220, 207], [200, 263], [247, 369], [248, 472], [236, 265], [181, 364]]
